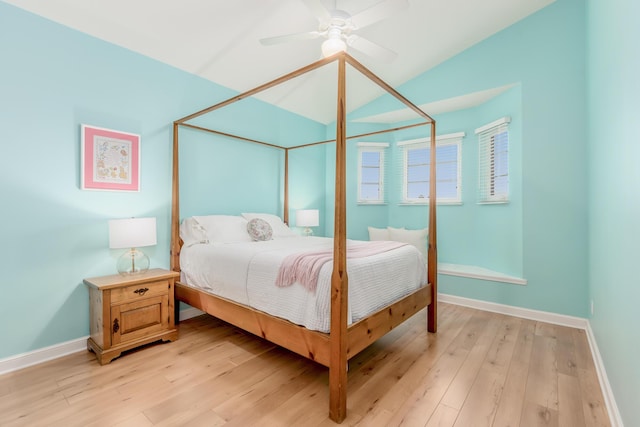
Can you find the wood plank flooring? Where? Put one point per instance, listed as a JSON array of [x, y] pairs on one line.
[[480, 369]]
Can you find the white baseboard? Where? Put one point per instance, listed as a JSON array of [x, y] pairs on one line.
[[556, 319], [24, 360], [41, 355], [525, 313], [609, 401]]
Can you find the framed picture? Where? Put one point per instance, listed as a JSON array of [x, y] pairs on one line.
[[110, 160]]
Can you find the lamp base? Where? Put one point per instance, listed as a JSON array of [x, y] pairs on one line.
[[307, 232], [133, 261]]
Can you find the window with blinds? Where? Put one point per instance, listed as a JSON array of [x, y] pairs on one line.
[[493, 168], [371, 172], [416, 158]]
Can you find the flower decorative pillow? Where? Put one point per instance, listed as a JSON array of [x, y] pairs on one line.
[[259, 230], [279, 228]]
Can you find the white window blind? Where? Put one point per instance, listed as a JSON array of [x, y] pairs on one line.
[[493, 155], [416, 158], [371, 172]]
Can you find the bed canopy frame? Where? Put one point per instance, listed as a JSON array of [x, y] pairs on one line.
[[334, 349]]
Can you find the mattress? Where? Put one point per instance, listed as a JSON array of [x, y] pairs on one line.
[[246, 272]]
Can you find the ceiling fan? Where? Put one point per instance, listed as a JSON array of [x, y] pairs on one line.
[[338, 27]]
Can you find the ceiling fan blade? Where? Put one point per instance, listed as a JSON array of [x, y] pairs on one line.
[[378, 12], [371, 49], [319, 11], [290, 38]]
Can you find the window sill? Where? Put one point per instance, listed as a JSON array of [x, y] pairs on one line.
[[497, 202], [452, 203], [474, 272], [372, 203]]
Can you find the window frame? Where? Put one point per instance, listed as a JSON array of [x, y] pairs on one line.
[[424, 143], [487, 173], [369, 147]]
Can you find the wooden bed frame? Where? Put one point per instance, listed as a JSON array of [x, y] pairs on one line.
[[335, 348]]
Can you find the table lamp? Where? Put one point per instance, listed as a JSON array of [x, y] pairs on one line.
[[307, 218], [132, 233]]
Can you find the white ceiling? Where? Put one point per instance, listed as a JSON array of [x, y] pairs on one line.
[[438, 107], [219, 39]]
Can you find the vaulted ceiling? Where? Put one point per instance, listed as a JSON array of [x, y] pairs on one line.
[[219, 40]]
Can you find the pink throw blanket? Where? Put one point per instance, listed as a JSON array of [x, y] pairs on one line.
[[304, 267]]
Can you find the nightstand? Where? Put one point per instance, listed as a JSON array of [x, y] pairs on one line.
[[129, 311]]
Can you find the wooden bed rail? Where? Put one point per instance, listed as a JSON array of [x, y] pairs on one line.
[[313, 345]]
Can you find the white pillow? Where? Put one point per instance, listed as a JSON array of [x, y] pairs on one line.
[[378, 233], [224, 228], [417, 238], [278, 227], [394, 229], [192, 233]]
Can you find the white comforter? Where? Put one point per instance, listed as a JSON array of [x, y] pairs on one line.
[[246, 273]]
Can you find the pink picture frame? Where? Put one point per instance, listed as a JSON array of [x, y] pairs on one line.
[[110, 160]]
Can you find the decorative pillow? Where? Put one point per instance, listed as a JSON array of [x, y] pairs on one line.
[[278, 227], [224, 228], [192, 233], [417, 238], [259, 230], [378, 233]]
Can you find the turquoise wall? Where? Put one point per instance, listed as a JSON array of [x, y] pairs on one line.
[[614, 182], [253, 181], [53, 79], [307, 188], [489, 236], [545, 54], [484, 235], [545, 236]]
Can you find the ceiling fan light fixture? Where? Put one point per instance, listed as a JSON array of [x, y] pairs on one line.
[[339, 26], [331, 46]]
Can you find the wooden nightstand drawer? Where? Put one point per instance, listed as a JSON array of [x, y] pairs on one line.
[[139, 291], [129, 311]]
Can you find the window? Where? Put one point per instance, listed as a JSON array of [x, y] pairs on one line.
[[416, 164], [371, 172], [493, 154]]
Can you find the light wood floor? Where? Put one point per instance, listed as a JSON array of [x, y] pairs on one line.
[[480, 369]]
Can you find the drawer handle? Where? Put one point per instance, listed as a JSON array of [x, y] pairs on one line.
[[141, 291], [116, 326]]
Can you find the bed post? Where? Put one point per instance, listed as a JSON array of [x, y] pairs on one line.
[[175, 210], [339, 280], [432, 255], [285, 214]]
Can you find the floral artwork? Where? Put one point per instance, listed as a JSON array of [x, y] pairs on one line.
[[110, 160]]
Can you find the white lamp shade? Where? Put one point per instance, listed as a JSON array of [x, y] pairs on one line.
[[132, 233], [307, 218]]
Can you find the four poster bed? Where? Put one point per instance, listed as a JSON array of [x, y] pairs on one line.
[[334, 347]]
